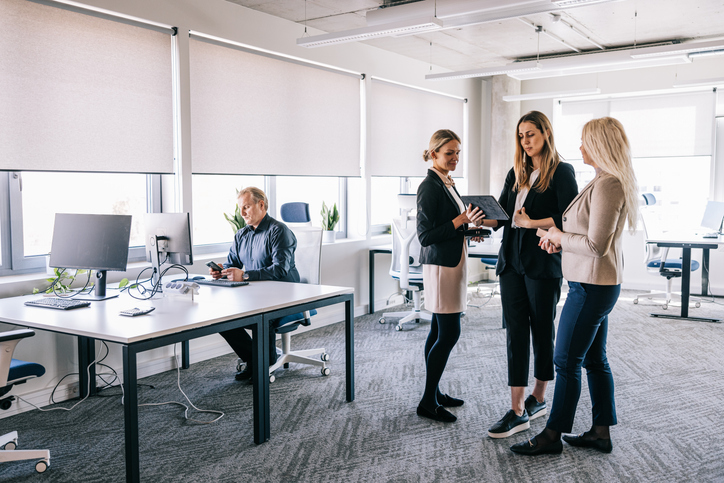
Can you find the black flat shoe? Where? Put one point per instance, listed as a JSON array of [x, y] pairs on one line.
[[440, 414], [602, 445], [243, 375], [532, 448], [449, 401]]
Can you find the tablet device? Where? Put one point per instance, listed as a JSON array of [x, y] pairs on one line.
[[489, 205]]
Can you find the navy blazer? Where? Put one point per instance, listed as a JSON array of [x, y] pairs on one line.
[[551, 203], [441, 243]]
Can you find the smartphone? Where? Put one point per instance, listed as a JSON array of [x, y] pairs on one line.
[[214, 266]]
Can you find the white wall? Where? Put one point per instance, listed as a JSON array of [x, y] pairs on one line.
[[344, 263]]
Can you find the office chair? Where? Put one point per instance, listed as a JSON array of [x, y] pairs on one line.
[[489, 263], [307, 258], [12, 372], [656, 261], [405, 265]]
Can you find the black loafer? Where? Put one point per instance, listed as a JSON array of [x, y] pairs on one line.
[[243, 375], [449, 401], [532, 448], [602, 445], [441, 414]]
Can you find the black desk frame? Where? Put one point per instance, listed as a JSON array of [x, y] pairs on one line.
[[686, 277], [259, 325]]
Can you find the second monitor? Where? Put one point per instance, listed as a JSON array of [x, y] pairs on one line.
[[168, 240]]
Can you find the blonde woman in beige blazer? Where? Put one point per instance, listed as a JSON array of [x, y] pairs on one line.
[[592, 262]]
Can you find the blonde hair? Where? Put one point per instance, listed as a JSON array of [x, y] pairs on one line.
[[523, 164], [438, 140], [606, 143], [256, 194]]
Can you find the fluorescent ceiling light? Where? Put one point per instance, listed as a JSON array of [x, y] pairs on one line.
[[404, 27], [509, 69], [718, 81], [551, 95], [708, 53], [677, 50], [576, 3]]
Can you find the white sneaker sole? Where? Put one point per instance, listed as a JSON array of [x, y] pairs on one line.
[[512, 431], [540, 413]]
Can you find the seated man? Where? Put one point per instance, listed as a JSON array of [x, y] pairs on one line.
[[262, 250]]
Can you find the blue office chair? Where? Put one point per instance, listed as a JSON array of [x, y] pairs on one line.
[[657, 262], [12, 372], [307, 259]]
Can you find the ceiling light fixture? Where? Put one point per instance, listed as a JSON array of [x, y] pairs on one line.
[[551, 95], [715, 82], [682, 49], [509, 69], [576, 3], [405, 27]]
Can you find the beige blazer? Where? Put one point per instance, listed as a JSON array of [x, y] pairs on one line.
[[592, 226]]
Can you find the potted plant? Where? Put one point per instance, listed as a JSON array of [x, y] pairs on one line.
[[235, 220], [330, 217]]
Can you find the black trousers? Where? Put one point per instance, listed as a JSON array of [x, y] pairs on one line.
[[529, 309], [240, 341]]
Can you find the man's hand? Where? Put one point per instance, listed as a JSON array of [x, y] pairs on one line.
[[215, 274], [233, 274]]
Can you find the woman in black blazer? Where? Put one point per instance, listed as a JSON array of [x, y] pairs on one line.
[[441, 220], [537, 191]]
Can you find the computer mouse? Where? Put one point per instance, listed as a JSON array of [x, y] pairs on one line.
[[200, 277]]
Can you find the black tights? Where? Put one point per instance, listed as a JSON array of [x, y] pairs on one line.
[[444, 334]]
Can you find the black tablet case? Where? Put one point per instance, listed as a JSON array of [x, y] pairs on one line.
[[489, 205]]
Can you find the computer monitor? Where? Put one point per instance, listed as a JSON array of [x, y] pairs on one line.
[[93, 242], [713, 216], [168, 240]]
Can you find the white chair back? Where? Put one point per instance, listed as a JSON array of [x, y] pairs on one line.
[[308, 255], [405, 263]]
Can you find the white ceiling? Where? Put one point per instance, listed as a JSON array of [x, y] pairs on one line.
[[623, 23]]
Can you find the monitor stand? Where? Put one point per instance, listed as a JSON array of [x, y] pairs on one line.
[[99, 290]]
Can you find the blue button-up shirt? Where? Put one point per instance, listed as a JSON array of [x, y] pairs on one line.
[[266, 253]]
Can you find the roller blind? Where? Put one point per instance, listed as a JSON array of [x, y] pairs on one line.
[[83, 93], [402, 120], [260, 114], [657, 126]]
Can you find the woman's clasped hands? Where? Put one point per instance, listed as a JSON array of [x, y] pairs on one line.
[[550, 240]]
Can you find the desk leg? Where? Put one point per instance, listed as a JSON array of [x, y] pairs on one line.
[[130, 413], [705, 272], [349, 346], [372, 283], [685, 288], [86, 370], [185, 355], [260, 378]]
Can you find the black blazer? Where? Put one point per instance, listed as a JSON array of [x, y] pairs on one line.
[[551, 203], [441, 243]]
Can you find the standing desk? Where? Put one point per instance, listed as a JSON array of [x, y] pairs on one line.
[[178, 319], [487, 249], [686, 243]]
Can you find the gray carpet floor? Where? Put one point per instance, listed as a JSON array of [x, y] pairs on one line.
[[669, 395]]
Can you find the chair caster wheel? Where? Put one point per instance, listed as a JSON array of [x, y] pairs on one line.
[[326, 371], [41, 466], [6, 403], [697, 305], [636, 301], [398, 328], [11, 445], [240, 365], [272, 378], [382, 320], [324, 357], [665, 306]]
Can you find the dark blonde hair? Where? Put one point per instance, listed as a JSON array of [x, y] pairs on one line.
[[438, 140], [606, 143], [523, 165], [256, 194]]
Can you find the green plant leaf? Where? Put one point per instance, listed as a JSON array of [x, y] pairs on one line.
[[35, 290], [123, 283]]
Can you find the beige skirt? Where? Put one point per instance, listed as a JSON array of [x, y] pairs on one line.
[[446, 287]]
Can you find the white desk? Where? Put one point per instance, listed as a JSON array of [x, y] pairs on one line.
[[686, 243], [178, 319], [487, 249]]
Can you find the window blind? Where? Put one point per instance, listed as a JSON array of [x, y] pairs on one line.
[[402, 121], [83, 93], [257, 114]]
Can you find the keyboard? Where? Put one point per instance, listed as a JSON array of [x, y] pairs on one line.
[[222, 282], [57, 303]]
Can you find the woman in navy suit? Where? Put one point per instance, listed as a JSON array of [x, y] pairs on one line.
[[537, 191], [441, 221]]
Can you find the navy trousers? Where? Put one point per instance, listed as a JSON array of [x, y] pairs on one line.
[[581, 341]]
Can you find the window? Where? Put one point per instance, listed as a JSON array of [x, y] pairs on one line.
[[312, 190], [214, 195]]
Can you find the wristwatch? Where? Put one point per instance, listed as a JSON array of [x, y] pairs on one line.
[[246, 276]]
